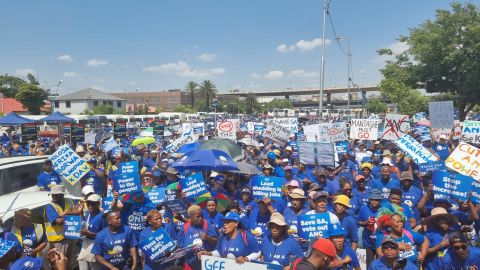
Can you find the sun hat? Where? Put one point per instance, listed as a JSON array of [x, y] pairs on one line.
[[288, 148], [57, 189], [94, 198], [319, 194], [277, 152], [297, 193], [87, 190], [267, 166], [79, 149], [285, 160], [439, 212], [172, 171], [406, 175], [343, 200], [367, 165], [443, 137], [387, 161], [278, 219], [314, 187], [375, 194], [292, 183]]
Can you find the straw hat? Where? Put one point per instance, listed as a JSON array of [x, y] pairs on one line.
[[438, 212], [297, 193], [278, 219]]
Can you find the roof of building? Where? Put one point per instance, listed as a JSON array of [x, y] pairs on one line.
[[88, 94], [11, 105]]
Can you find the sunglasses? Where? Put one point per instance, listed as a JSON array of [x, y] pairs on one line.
[[462, 247], [390, 247]]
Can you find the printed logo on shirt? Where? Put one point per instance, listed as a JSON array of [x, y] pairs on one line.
[[136, 221]]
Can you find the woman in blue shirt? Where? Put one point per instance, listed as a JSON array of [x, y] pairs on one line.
[[346, 256], [278, 247], [211, 215], [30, 236]]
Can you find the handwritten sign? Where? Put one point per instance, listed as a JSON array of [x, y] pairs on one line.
[[228, 128], [29, 132], [176, 205], [363, 129], [415, 150], [277, 133], [217, 263], [128, 180], [72, 226], [314, 225], [457, 132], [471, 132], [432, 166], [290, 124], [69, 165], [465, 159], [109, 144], [452, 184], [119, 130], [396, 126], [179, 142], [333, 132], [193, 185], [316, 153], [441, 114], [157, 244], [312, 133], [157, 195], [267, 186]]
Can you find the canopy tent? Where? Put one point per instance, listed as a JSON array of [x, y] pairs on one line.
[[57, 117], [13, 119]]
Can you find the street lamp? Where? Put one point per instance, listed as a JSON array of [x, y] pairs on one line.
[[322, 68], [349, 77]]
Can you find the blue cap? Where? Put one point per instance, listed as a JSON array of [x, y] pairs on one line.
[[219, 178], [232, 216], [27, 263], [335, 230], [271, 155], [157, 173]]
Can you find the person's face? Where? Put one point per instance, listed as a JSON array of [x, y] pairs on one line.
[[229, 226], [374, 203], [340, 208], [347, 190], [385, 172], [92, 165], [47, 167], [211, 207], [397, 224], [330, 174], [338, 241], [321, 205], [288, 173], [93, 206], [463, 205], [390, 251], [139, 198], [301, 168], [147, 181], [20, 221], [267, 171], [114, 220], [442, 223], [407, 183], [297, 204], [366, 172], [461, 249], [396, 199], [276, 230], [262, 207], [196, 218], [361, 184], [321, 179], [245, 196], [217, 185], [231, 186], [57, 197], [155, 220]]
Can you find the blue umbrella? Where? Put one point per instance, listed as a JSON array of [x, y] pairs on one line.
[[206, 159], [189, 147]]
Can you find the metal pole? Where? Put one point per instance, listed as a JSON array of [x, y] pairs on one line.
[[322, 68], [349, 77]]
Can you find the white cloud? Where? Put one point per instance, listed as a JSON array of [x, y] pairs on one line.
[[132, 83], [300, 73], [255, 76], [65, 58], [183, 69], [97, 62], [96, 87], [71, 74], [24, 72], [207, 57], [274, 74], [302, 45]]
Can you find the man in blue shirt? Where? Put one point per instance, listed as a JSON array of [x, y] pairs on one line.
[[389, 260], [95, 177], [346, 256], [48, 177], [385, 183], [460, 255], [411, 195]]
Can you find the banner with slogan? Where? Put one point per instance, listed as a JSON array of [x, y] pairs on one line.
[[316, 153], [158, 128], [341, 147], [267, 186], [128, 179], [157, 195], [72, 226], [109, 144], [363, 129], [29, 132], [441, 114], [217, 263], [465, 159], [157, 244], [277, 133], [471, 132], [255, 127], [396, 126], [290, 124], [452, 184], [179, 142], [475, 191], [77, 133], [312, 133], [69, 165], [119, 130], [333, 132], [457, 132], [432, 166], [314, 226], [228, 128], [176, 205], [415, 150], [193, 185]]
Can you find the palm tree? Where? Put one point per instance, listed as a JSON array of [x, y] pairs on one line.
[[251, 102], [207, 91], [192, 88]]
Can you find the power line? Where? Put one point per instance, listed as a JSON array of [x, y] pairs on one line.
[[335, 33]]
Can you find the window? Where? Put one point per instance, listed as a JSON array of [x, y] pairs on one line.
[[119, 104], [67, 104], [57, 104], [95, 103], [110, 103], [104, 102]]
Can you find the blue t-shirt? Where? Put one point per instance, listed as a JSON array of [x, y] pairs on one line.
[[442, 150], [280, 252], [147, 232], [135, 215], [412, 254], [98, 183], [369, 237], [348, 251], [29, 233], [114, 247], [435, 237], [216, 221], [186, 238], [380, 264], [47, 180], [362, 197], [411, 198], [450, 260], [385, 187], [241, 245], [257, 220], [95, 223], [349, 225]]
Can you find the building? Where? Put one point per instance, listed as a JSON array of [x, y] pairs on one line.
[[164, 100], [11, 105], [78, 102]]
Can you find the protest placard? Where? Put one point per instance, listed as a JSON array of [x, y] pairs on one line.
[[341, 147], [187, 129], [415, 150], [267, 186], [314, 225], [72, 226], [333, 132], [471, 132], [432, 166], [109, 144], [157, 244], [312, 133], [475, 191], [119, 130], [158, 128], [451, 184], [77, 133], [457, 132], [290, 124], [441, 114], [128, 179], [193, 185], [316, 153], [364, 129], [465, 159], [6, 246], [228, 128], [107, 203], [179, 142], [199, 129], [217, 263], [90, 138], [396, 126], [68, 164], [277, 133], [29, 132], [157, 195], [176, 205]]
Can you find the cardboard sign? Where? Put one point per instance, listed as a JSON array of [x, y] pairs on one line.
[[217, 263], [158, 128], [465, 159], [179, 142], [109, 144], [267, 186], [228, 129], [457, 132], [432, 166], [312, 133], [69, 165], [451, 184], [441, 114], [476, 191], [314, 225], [396, 126], [277, 133], [176, 205], [316, 153], [333, 132], [156, 244], [157, 195], [415, 150], [90, 138], [471, 132], [72, 226], [119, 130], [128, 179], [290, 124], [363, 129], [29, 132], [193, 185]]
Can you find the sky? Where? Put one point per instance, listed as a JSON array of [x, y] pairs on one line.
[[250, 45]]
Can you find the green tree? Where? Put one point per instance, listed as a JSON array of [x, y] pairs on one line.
[[278, 104], [31, 79], [32, 97], [192, 88], [251, 103], [232, 106], [183, 109], [103, 109], [9, 85], [375, 105], [207, 91]]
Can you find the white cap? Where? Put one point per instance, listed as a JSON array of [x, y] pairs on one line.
[[443, 136], [94, 198], [213, 174], [87, 190], [285, 160]]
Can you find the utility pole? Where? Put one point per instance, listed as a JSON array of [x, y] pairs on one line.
[[322, 68]]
